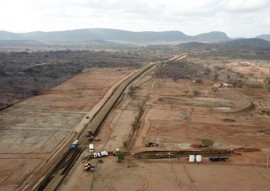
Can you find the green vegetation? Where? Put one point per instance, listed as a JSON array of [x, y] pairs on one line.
[[125, 144], [214, 89], [178, 69], [25, 74], [207, 143], [136, 121], [256, 86], [265, 111], [267, 80], [132, 90], [120, 156], [196, 93]]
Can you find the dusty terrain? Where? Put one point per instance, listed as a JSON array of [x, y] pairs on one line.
[[172, 111], [34, 129], [178, 119]]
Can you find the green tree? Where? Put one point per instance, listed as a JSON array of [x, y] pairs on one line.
[[120, 156]]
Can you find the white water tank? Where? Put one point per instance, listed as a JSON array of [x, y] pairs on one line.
[[198, 158], [191, 158]]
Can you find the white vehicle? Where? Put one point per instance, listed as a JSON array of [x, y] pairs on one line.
[[101, 154], [91, 148]]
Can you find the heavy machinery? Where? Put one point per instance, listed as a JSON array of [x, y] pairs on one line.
[[151, 144], [89, 167]]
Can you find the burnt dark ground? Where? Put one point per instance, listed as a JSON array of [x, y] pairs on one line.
[[24, 74]]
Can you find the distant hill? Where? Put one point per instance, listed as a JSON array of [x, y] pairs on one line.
[[252, 43], [113, 35], [21, 43], [218, 36], [264, 36], [239, 44]]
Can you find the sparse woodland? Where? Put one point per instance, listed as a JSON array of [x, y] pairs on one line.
[[24, 74]]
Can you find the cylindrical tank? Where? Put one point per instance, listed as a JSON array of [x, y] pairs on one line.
[[198, 158], [191, 158]]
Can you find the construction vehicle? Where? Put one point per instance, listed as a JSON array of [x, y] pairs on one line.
[[89, 133], [89, 167], [74, 144], [151, 144], [90, 136]]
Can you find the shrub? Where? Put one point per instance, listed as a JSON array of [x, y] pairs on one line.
[[267, 80], [257, 86], [214, 89], [265, 111], [207, 142], [196, 93], [131, 91], [120, 156], [125, 144]]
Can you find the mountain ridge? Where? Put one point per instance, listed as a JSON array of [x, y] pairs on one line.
[[236, 44], [264, 37], [113, 35]]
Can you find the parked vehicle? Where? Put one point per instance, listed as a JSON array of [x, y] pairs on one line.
[[89, 167], [91, 148], [74, 145], [151, 144], [89, 133], [101, 154]]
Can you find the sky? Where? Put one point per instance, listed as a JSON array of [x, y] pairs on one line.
[[237, 18]]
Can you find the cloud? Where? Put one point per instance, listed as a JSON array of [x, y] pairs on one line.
[[236, 17], [246, 5]]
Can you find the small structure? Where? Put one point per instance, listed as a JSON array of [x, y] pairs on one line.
[[218, 158], [227, 85], [198, 158], [191, 158]]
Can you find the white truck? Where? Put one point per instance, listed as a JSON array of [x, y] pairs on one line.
[[91, 148], [101, 154]]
